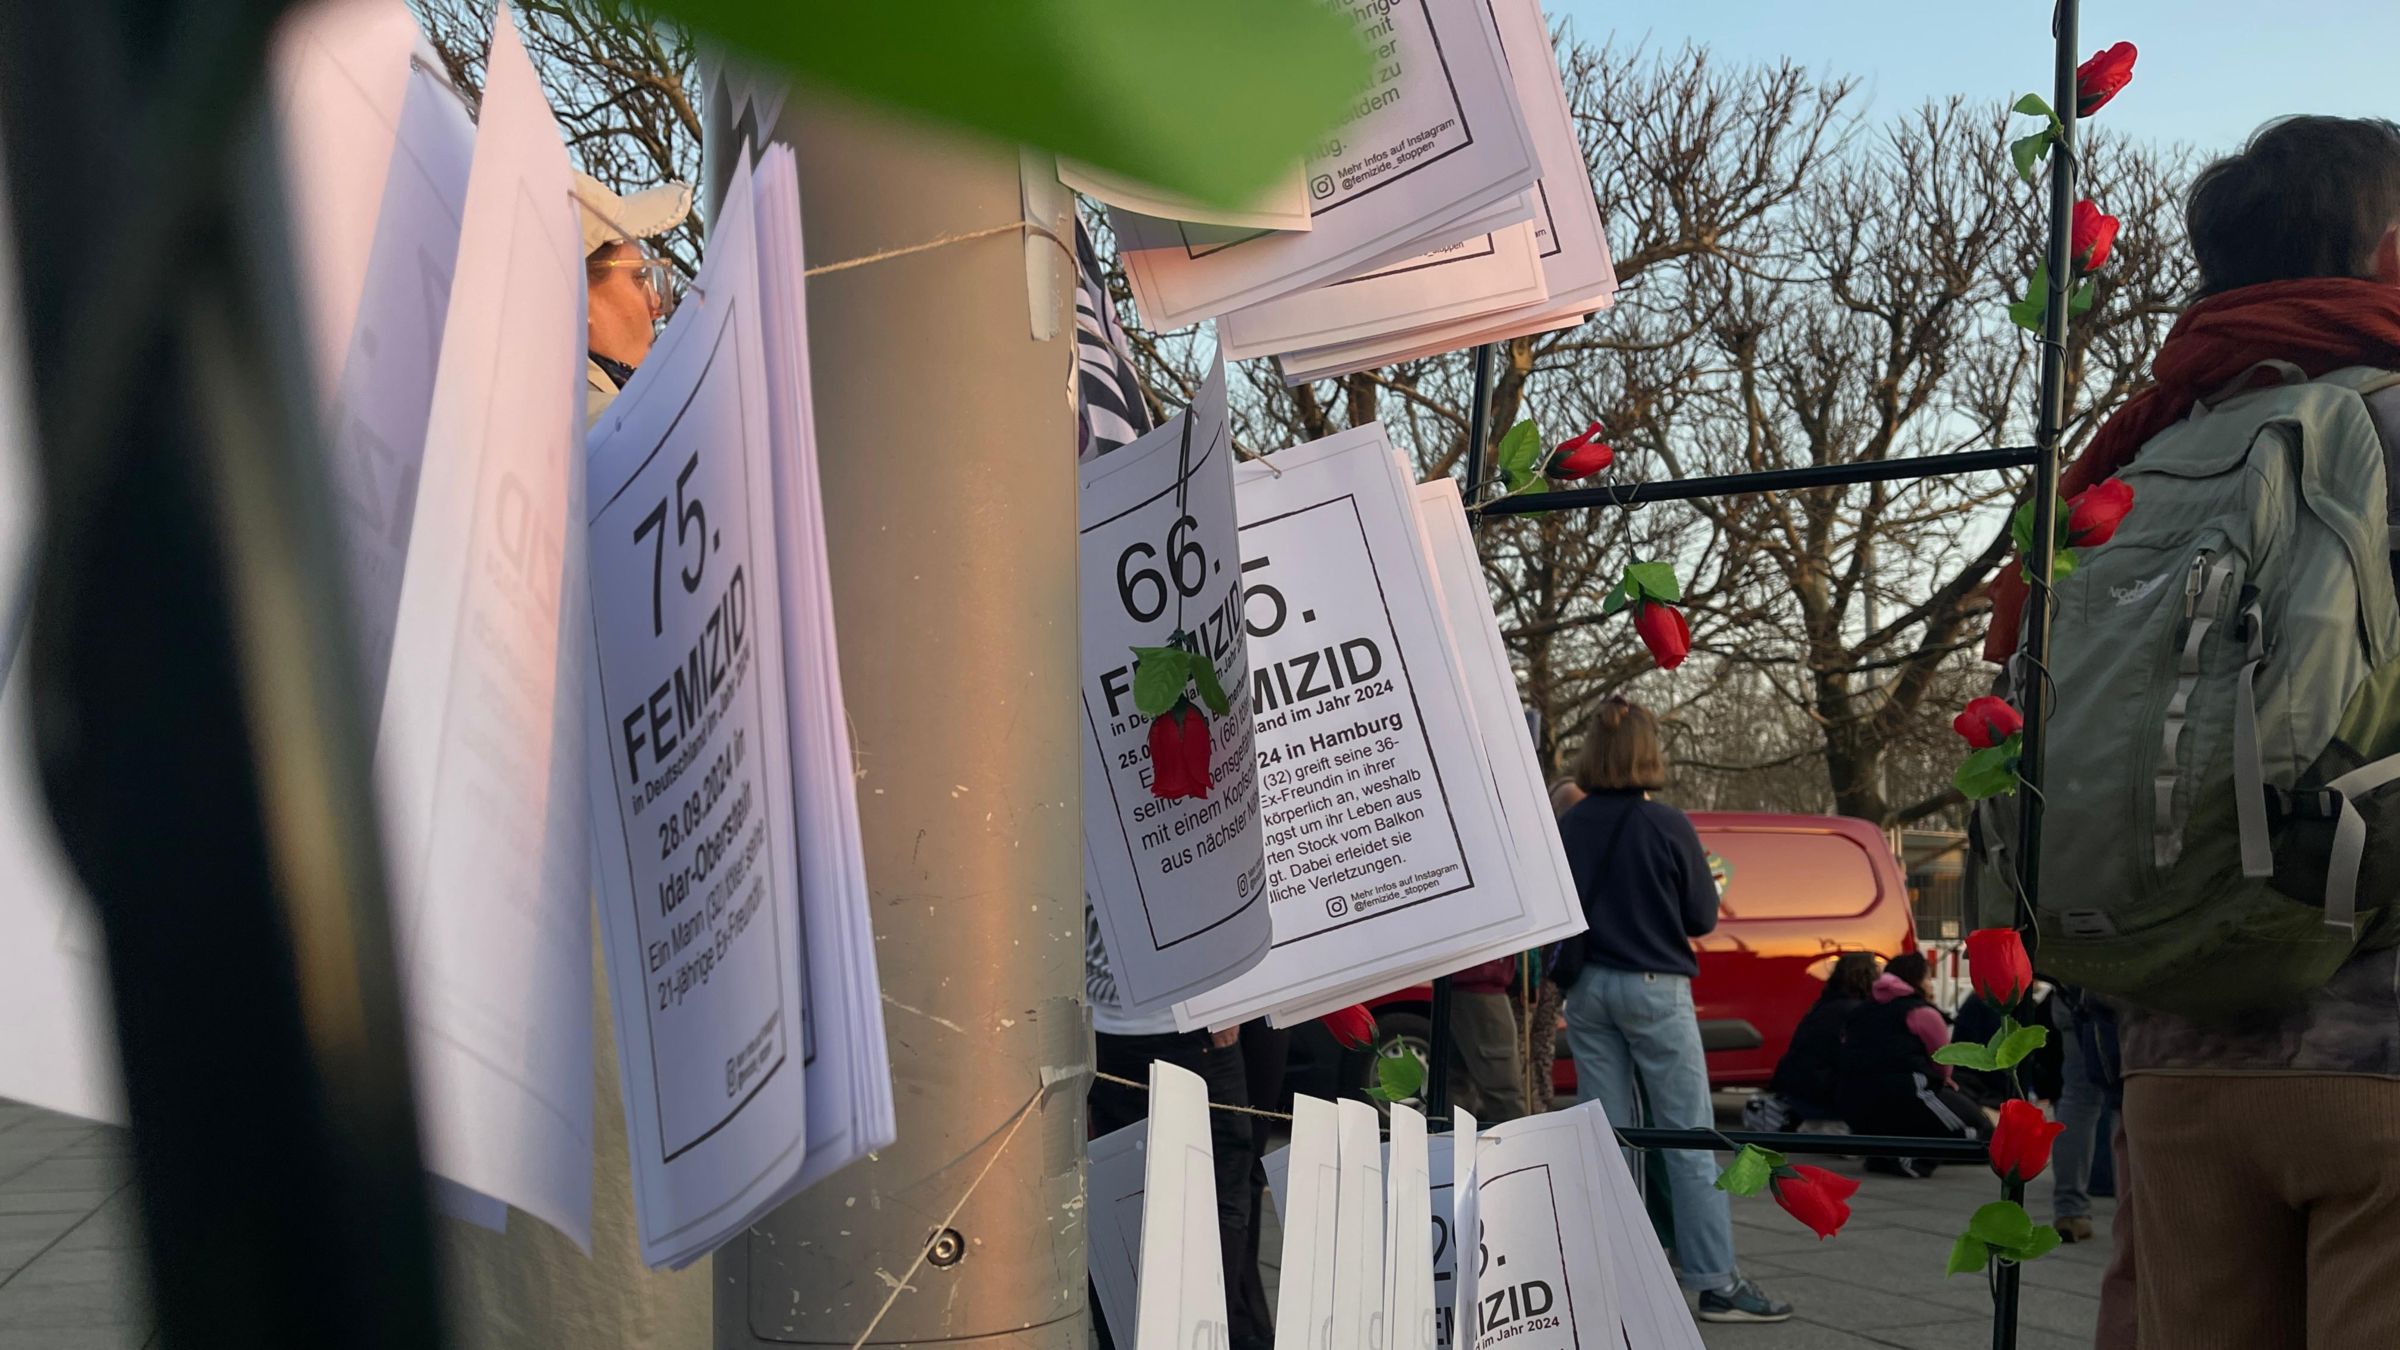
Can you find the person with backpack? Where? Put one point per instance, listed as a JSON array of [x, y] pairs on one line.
[[2221, 850], [1646, 890], [1888, 1081]]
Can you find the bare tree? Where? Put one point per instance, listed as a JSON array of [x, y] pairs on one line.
[[623, 84], [1798, 288]]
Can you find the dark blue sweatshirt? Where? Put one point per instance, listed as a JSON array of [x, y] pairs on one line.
[[1644, 881]]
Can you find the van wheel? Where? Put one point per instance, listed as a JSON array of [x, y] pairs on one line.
[[1397, 1034]]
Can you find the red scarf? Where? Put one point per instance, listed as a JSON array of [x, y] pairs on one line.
[[2322, 324]]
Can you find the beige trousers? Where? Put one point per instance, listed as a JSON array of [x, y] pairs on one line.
[[2269, 1210]]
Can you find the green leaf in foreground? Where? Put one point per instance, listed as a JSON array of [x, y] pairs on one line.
[[2002, 1224], [1750, 1170], [1967, 1255], [1520, 451], [1398, 1078], [1966, 1055], [1988, 773], [1214, 100], [2010, 1049], [2027, 150], [1159, 675], [2033, 105], [1656, 580], [1212, 691]]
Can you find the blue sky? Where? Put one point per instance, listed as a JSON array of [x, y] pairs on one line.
[[2210, 70]]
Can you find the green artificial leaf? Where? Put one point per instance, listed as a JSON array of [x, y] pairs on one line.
[[1968, 1255], [2030, 311], [2009, 1048], [2002, 1224], [2034, 105], [2064, 562], [1966, 1055], [1617, 599], [2081, 303], [1212, 693], [1159, 675], [1398, 1078], [1530, 486], [1254, 86], [2020, 527], [1520, 451], [1987, 773], [2027, 150], [1655, 581], [1750, 1170], [2045, 1241]]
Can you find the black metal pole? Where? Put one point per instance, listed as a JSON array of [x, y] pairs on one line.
[[1839, 1145], [1767, 480], [196, 714], [2049, 419], [1437, 1047]]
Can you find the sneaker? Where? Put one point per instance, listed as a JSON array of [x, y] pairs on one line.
[[1744, 1302], [2074, 1230], [1914, 1168]]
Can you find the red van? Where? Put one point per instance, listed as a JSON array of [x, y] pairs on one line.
[[1798, 891]]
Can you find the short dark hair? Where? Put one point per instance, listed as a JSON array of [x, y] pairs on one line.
[[1909, 966], [2307, 197]]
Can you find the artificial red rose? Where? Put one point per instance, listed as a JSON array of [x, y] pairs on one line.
[[1817, 1198], [2098, 80], [1664, 632], [1987, 722], [2094, 235], [2094, 513], [1353, 1027], [1179, 752], [1998, 965], [1580, 456], [2021, 1141]]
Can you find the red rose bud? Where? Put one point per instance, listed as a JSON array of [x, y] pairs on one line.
[[2094, 513], [1580, 456], [1817, 1198], [2021, 1141], [1353, 1027], [1998, 965], [2099, 79], [2094, 235], [1179, 753], [1987, 722], [1664, 632]]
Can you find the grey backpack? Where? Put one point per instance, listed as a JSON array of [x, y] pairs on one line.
[[2221, 824]]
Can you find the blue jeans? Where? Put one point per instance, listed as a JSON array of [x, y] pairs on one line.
[[2081, 1103], [1621, 1024]]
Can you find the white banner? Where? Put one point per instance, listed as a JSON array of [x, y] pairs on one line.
[[1433, 146], [1178, 886], [698, 873], [1384, 844]]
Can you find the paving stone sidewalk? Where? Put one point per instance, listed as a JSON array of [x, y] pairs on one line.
[[70, 1256], [71, 1276]]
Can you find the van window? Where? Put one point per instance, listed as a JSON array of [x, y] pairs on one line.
[[1793, 874]]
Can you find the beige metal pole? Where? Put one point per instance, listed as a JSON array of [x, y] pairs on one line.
[[947, 447]]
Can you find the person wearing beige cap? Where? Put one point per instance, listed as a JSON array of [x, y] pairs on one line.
[[628, 288]]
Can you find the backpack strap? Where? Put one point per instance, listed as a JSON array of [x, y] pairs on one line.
[[2286, 374], [2350, 839], [2249, 777], [2202, 594]]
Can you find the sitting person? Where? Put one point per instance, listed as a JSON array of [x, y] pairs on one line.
[[1889, 1083], [2040, 1075], [1804, 1087]]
